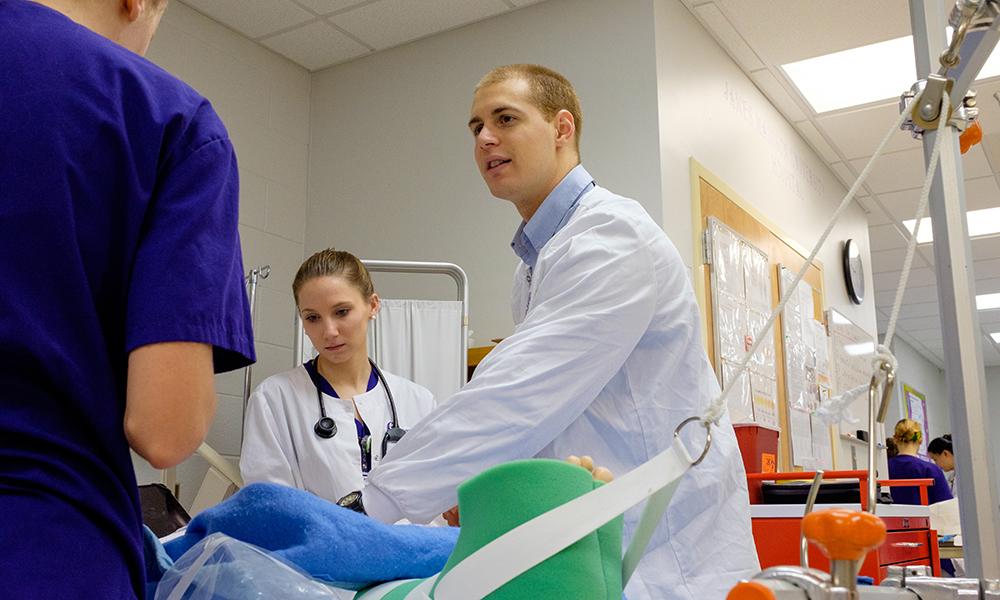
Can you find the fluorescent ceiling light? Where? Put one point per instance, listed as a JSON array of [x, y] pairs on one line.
[[987, 301], [981, 222], [996, 337], [864, 74]]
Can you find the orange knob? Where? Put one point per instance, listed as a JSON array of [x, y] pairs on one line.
[[750, 590], [844, 534], [972, 135]]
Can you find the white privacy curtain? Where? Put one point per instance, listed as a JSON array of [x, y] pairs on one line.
[[422, 341]]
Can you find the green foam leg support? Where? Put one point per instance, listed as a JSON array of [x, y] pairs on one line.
[[510, 494]]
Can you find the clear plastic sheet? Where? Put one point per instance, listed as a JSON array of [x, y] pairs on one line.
[[757, 277], [740, 402], [763, 359], [222, 568], [727, 259], [765, 400], [732, 328]]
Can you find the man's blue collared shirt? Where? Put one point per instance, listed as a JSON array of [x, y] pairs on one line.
[[553, 213]]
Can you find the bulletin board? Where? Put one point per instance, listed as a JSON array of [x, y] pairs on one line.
[[714, 202], [916, 409], [807, 365], [741, 303]]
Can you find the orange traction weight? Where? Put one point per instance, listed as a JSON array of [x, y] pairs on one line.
[[750, 590], [970, 137], [844, 534]]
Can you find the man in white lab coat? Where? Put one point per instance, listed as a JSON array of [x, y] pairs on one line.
[[605, 359]]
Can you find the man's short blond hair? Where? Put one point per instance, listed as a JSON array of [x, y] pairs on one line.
[[550, 91]]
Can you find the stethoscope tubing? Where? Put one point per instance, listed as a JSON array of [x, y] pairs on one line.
[[322, 404]]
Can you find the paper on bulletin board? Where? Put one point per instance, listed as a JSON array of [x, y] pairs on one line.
[[741, 302], [727, 258], [763, 359], [801, 436], [758, 279], [740, 401], [822, 448], [765, 400], [732, 326]]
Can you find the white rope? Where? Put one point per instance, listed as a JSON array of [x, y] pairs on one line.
[[835, 410], [718, 406], [911, 246]]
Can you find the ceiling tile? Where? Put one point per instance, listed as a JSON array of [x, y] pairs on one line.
[[816, 140], [986, 249], [857, 133], [730, 39], [885, 298], [982, 192], [905, 170], [918, 278], [520, 3], [845, 176], [783, 31], [253, 18], [325, 7], [910, 310], [930, 337], [876, 216], [393, 22], [887, 261], [987, 269], [988, 285], [902, 204], [895, 171], [974, 163], [780, 98], [885, 237], [315, 46], [989, 319]]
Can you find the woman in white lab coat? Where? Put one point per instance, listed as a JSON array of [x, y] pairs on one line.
[[323, 425]]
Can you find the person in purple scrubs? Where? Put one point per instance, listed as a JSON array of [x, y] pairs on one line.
[[121, 287], [907, 465]]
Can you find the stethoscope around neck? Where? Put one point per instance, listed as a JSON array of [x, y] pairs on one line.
[[326, 427]]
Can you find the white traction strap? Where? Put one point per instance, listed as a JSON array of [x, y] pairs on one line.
[[487, 569]]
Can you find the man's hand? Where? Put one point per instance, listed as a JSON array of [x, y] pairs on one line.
[[599, 473], [451, 516]]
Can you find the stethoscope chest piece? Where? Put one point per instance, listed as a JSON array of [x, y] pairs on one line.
[[325, 428]]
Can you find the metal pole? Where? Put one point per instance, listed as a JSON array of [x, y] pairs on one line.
[[251, 281], [964, 375]]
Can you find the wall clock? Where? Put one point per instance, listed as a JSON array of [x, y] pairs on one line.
[[854, 272]]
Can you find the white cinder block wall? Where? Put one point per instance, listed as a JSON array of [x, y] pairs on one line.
[[263, 99]]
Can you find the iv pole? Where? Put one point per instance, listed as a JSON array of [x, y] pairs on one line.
[[964, 375]]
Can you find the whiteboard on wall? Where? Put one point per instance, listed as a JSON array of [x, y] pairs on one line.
[[851, 352]]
